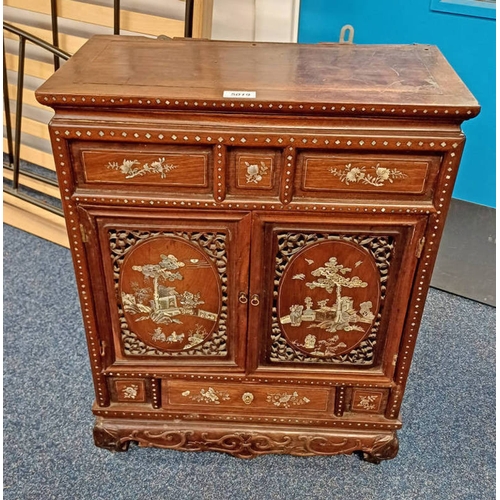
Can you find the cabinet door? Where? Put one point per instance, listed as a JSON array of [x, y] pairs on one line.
[[166, 288], [330, 293]]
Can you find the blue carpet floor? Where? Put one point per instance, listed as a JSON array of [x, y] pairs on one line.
[[447, 445]]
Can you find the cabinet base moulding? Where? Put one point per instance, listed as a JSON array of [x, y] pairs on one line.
[[245, 441]]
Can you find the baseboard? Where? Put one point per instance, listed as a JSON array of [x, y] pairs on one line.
[[35, 220]]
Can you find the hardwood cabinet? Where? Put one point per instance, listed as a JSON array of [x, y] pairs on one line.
[[253, 228]]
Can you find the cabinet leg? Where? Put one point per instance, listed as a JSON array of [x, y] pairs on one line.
[[383, 448], [108, 438]]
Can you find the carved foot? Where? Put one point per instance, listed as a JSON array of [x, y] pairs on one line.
[[106, 438], [384, 448]]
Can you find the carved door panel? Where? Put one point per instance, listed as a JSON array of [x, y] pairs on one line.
[[172, 282], [329, 298]]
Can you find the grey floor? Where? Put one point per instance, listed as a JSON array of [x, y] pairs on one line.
[[447, 445]]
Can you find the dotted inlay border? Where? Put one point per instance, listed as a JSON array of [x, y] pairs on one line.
[[340, 139], [341, 109], [155, 393], [163, 415], [340, 401], [79, 259], [242, 378], [422, 281]]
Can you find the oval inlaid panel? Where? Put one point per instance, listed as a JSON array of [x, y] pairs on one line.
[[170, 293], [328, 298]]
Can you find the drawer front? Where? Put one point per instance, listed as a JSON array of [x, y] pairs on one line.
[[169, 168], [247, 397], [254, 172], [368, 400], [321, 173], [129, 391]]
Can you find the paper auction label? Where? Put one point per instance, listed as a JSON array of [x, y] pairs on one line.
[[240, 94]]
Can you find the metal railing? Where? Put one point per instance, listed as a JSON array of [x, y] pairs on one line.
[[14, 141], [13, 160], [188, 23]]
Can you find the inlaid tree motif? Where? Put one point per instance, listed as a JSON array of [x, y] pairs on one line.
[[161, 272], [165, 271], [341, 316], [333, 279], [163, 303]]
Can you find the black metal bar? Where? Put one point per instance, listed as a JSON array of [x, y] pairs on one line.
[[55, 30], [14, 151], [19, 110], [37, 41], [116, 14], [33, 200], [32, 175], [188, 19], [6, 107]]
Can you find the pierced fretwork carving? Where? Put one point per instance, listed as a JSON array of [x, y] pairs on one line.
[[214, 245], [381, 248]]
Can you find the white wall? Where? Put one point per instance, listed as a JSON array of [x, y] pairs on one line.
[[256, 20]]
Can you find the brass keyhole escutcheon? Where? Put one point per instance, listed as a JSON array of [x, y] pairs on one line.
[[247, 398]]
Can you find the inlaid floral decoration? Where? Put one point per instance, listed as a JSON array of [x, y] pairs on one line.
[[376, 176], [210, 395], [255, 172], [130, 170], [130, 392], [367, 402]]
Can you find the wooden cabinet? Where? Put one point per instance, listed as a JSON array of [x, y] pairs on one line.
[[253, 228]]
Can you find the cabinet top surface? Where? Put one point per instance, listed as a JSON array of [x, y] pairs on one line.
[[122, 71]]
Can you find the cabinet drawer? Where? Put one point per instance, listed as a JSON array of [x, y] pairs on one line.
[[367, 174], [169, 168], [239, 396], [254, 172]]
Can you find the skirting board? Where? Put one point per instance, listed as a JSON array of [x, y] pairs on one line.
[[465, 265], [34, 220]]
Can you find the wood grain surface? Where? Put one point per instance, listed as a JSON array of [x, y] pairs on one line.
[[370, 75]]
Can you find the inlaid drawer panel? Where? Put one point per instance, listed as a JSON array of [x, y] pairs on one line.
[[129, 390], [255, 397], [368, 400], [321, 173], [254, 171], [171, 168]]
